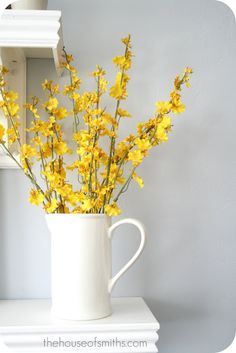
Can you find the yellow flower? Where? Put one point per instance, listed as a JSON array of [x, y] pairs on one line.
[[99, 71], [48, 84], [112, 210], [178, 108], [46, 150], [116, 91], [121, 149], [119, 61], [143, 144], [11, 134], [138, 180], [69, 57], [2, 132], [11, 96], [61, 148], [51, 104], [103, 84], [123, 113], [166, 123], [51, 206], [27, 151], [68, 194], [177, 105], [163, 107], [36, 197], [37, 140], [127, 41], [3, 70], [177, 83], [69, 67], [136, 157], [87, 205], [60, 113], [161, 134], [12, 108], [188, 70]]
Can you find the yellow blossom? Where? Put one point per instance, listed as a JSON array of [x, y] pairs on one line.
[[163, 107], [116, 91], [123, 113], [48, 84], [60, 113], [161, 134], [11, 134], [178, 108], [4, 70], [27, 151], [127, 41], [36, 197], [166, 123], [138, 180], [51, 104], [143, 144], [2, 132], [188, 70], [98, 72], [11, 96], [61, 148], [46, 150], [112, 210], [36, 140], [103, 84], [136, 157], [51, 206], [12, 108], [87, 205]]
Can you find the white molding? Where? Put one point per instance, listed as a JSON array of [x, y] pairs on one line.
[[33, 29], [24, 324], [7, 163]]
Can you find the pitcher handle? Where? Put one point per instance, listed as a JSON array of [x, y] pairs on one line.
[[141, 228]]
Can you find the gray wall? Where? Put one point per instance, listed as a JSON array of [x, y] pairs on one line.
[[187, 272]]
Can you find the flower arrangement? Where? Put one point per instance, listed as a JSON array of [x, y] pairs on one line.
[[103, 174]]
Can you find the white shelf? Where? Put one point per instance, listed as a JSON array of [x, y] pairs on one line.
[[25, 324], [27, 34], [38, 33]]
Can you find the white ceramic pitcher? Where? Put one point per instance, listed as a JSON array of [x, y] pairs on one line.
[[81, 264]]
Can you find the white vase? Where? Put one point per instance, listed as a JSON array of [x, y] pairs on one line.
[[81, 264], [30, 5]]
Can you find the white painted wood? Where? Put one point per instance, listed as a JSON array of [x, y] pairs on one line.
[[25, 324], [27, 34], [31, 30]]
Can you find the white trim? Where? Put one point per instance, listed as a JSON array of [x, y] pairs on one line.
[[7, 163], [30, 28], [33, 29]]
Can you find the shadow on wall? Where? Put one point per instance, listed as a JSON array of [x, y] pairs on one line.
[[191, 327]]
